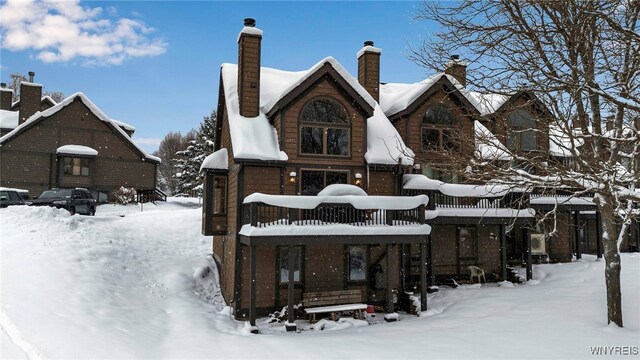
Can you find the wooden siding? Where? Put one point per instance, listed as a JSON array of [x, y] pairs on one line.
[[381, 183]]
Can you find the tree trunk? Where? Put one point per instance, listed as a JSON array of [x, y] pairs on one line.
[[612, 265]]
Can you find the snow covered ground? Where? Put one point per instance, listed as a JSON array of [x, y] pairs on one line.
[[136, 286]]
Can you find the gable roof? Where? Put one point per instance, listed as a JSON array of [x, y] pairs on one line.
[[256, 139], [397, 98], [41, 115]]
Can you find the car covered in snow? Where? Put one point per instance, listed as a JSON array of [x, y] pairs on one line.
[[76, 201], [10, 196]]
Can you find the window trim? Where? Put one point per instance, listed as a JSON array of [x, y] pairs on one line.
[[325, 126], [325, 171], [284, 284], [518, 133], [440, 128], [82, 160], [475, 242], [347, 258]]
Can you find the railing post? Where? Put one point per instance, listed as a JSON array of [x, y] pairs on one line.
[[421, 215], [254, 214], [389, 214]]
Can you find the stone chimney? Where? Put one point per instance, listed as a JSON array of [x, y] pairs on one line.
[[249, 41], [6, 97], [30, 97], [457, 68], [369, 69]]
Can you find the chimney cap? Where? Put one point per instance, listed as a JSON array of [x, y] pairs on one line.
[[250, 22], [368, 43], [31, 73], [455, 57], [3, 85]]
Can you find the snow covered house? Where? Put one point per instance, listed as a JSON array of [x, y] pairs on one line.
[[285, 139], [68, 144]]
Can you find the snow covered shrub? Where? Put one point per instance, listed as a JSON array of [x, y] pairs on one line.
[[206, 285], [124, 195]]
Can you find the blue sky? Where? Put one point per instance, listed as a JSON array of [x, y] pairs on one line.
[[169, 79]]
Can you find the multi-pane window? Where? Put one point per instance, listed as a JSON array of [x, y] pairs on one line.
[[467, 242], [219, 195], [284, 264], [521, 131], [324, 129], [357, 263], [313, 181], [76, 166], [438, 132]]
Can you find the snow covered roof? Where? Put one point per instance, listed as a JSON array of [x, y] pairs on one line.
[[218, 160], [359, 202], [256, 138], [488, 147], [76, 150], [8, 119], [422, 182], [561, 200], [124, 125], [94, 109], [561, 144], [7, 90], [487, 103]]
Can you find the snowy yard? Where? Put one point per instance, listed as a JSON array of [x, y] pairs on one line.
[[133, 286]]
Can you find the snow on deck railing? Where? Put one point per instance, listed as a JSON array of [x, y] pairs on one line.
[[262, 210]]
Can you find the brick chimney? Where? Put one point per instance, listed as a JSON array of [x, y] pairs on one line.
[[6, 97], [369, 69], [457, 68], [249, 42], [30, 97]]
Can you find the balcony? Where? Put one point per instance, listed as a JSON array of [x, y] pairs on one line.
[[349, 216]]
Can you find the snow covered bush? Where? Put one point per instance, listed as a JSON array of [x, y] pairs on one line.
[[124, 195]]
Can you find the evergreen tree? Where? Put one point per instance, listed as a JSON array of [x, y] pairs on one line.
[[188, 161]]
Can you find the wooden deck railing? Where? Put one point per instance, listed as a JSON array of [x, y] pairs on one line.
[[440, 200], [259, 214]]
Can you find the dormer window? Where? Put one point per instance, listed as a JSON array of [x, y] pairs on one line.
[[521, 131], [438, 130], [324, 129]]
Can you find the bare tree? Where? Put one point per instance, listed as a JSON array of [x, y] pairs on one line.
[[57, 96], [17, 79], [581, 61]]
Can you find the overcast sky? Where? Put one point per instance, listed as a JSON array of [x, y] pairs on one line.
[[156, 64]]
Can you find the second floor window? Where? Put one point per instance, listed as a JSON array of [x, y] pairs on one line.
[[324, 129], [521, 131], [76, 166], [438, 132]]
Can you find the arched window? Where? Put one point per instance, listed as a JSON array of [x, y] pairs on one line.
[[521, 131], [324, 129], [438, 129]]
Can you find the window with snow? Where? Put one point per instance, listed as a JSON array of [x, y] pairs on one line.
[[284, 264], [76, 166], [521, 131], [438, 132], [324, 129], [357, 263]]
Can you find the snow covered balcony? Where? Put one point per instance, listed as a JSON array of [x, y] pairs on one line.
[[350, 216]]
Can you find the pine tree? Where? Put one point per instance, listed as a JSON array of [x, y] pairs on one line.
[[188, 161]]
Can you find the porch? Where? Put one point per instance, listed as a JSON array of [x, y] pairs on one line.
[[357, 231]]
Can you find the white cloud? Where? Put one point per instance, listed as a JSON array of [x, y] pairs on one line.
[[63, 30], [147, 141]]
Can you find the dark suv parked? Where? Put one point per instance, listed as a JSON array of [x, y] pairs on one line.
[[76, 200], [10, 196]]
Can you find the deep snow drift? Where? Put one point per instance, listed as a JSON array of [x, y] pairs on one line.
[[138, 287]]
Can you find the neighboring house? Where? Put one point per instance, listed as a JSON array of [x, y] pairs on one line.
[[69, 144]]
